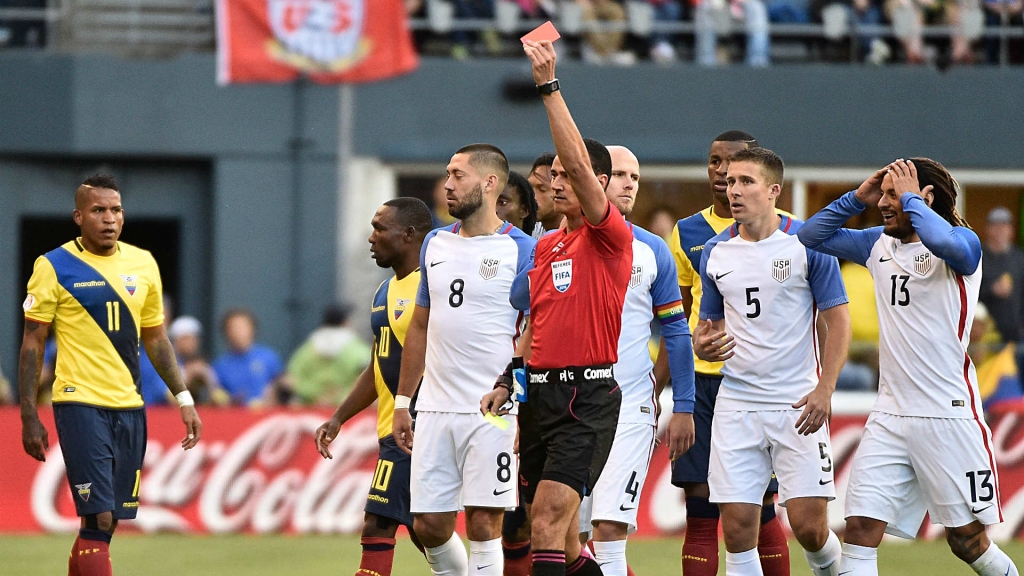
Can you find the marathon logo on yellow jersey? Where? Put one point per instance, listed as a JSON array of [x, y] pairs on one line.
[[131, 283], [90, 284], [84, 490]]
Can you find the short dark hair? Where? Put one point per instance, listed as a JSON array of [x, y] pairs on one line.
[[737, 136], [600, 158], [101, 181], [769, 161], [412, 212], [488, 157], [524, 190], [545, 159], [238, 311], [336, 314], [944, 189]]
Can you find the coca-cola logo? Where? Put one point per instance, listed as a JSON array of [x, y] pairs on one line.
[[268, 479]]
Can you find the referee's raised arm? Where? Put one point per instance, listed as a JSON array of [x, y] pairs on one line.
[[569, 146]]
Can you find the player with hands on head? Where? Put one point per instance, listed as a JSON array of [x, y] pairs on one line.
[[765, 290], [103, 298], [926, 446], [399, 227], [580, 271]]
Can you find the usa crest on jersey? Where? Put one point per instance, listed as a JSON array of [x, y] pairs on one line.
[[489, 268], [561, 274], [923, 263], [637, 277], [781, 269]]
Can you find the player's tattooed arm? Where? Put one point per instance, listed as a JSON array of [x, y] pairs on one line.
[[161, 354], [34, 437], [968, 542]]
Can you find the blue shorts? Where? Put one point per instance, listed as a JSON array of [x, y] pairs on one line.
[[389, 489], [692, 467], [103, 452]]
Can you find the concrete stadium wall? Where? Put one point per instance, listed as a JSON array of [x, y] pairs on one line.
[[272, 197]]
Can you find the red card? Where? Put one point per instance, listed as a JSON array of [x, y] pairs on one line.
[[545, 31]]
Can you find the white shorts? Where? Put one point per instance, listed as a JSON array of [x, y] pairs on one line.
[[616, 495], [747, 446], [461, 460], [907, 465]]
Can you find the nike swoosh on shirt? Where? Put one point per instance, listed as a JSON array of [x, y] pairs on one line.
[[822, 482], [432, 264], [884, 259], [980, 510], [496, 493], [624, 509], [479, 567], [723, 275]]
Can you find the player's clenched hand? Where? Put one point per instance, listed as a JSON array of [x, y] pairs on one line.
[[817, 410], [870, 191], [542, 58], [680, 434], [494, 400], [34, 438], [193, 427], [326, 434], [712, 346], [401, 429]]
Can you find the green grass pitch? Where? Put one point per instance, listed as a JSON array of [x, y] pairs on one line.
[[173, 555]]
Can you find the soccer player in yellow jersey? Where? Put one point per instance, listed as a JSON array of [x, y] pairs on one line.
[[399, 227], [690, 470], [100, 296]]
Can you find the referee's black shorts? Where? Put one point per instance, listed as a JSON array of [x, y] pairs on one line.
[[567, 427]]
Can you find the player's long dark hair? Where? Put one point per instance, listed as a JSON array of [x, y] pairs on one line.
[[944, 189], [524, 192]]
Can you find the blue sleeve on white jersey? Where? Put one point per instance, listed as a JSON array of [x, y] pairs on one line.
[[519, 297], [665, 289], [824, 232], [958, 246], [826, 282], [423, 293], [679, 348], [711, 305], [527, 248]]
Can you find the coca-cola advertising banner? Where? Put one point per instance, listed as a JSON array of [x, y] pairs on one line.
[[259, 472]]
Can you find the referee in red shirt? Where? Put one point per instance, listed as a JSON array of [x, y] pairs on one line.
[[577, 288]]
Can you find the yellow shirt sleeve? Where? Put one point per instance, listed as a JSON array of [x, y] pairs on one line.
[[43, 292], [684, 269], [153, 308]]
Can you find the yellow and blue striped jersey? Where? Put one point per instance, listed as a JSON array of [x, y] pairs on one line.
[[98, 306], [389, 318]]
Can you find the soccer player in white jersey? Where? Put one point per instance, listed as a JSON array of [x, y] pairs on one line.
[[460, 339], [926, 445], [611, 509], [762, 291]]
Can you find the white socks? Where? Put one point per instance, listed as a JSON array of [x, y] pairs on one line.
[[825, 562], [449, 559], [611, 557], [486, 558], [743, 563], [859, 561], [994, 562]]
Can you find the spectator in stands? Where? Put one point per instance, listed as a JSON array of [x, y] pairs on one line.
[[1002, 277], [516, 204], [871, 47], [605, 47], [185, 334], [474, 9], [538, 9], [789, 11], [1003, 13], [251, 373], [711, 15], [663, 48], [917, 13], [661, 223], [327, 364]]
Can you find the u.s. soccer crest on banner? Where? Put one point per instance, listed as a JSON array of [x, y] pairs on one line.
[[923, 263], [637, 277], [489, 268], [318, 35], [781, 269], [561, 274]]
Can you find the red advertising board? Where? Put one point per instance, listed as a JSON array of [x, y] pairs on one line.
[[258, 472]]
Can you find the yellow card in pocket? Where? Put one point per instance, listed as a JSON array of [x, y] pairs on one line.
[[498, 421]]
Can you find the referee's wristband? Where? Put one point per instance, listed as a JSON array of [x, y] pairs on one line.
[[402, 402], [185, 399]]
